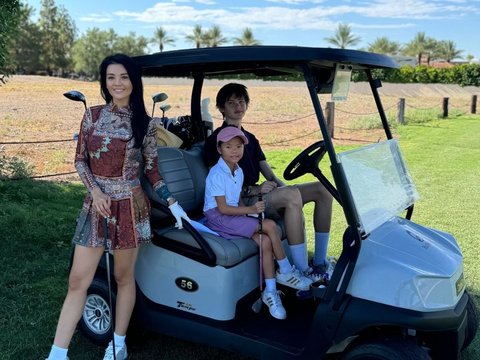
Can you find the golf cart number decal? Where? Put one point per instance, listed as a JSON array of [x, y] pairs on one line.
[[186, 284]]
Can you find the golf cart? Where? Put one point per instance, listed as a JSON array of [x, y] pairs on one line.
[[397, 290]]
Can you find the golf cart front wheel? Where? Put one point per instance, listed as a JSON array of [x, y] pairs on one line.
[[96, 321], [398, 349]]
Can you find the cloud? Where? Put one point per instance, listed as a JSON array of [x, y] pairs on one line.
[[96, 18], [311, 15]]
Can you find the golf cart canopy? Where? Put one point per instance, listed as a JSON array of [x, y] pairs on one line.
[[318, 67], [259, 60]]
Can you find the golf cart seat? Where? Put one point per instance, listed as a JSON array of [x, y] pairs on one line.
[[185, 172]]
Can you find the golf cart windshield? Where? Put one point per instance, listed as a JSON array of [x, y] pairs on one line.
[[379, 182]]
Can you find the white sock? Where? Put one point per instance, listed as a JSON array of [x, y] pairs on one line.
[[284, 265], [119, 340], [270, 285], [321, 246], [299, 256], [57, 353]]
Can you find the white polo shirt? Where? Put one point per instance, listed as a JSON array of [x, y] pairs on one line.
[[221, 182]]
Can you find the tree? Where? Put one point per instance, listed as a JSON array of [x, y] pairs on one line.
[[214, 37], [343, 37], [447, 50], [90, 49], [25, 47], [419, 46], [196, 37], [383, 45], [247, 38], [160, 36], [57, 36], [96, 44], [9, 17], [131, 45]]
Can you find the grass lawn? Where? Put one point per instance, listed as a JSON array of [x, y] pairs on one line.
[[37, 220]]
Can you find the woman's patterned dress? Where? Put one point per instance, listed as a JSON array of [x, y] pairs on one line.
[[106, 158]]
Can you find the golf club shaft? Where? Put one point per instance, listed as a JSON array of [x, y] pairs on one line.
[[260, 228], [107, 259]]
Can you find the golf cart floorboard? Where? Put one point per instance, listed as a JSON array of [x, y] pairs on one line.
[[247, 328]]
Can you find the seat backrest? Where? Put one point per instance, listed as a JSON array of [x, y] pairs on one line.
[[185, 172]]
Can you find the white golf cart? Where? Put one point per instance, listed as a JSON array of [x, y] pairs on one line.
[[397, 291]]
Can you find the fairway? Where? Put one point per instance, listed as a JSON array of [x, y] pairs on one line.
[[37, 218]]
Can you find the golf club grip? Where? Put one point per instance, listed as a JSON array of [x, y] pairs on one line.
[[260, 215]]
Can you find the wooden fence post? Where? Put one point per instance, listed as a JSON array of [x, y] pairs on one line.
[[473, 106], [445, 107], [330, 116], [401, 111]]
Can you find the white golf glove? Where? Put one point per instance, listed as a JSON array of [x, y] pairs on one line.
[[179, 214]]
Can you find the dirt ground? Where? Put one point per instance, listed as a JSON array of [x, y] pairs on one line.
[[33, 110]]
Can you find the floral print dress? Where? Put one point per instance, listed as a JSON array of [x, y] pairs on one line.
[[106, 158]]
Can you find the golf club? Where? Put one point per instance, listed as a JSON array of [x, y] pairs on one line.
[[76, 96], [158, 97], [257, 305], [107, 260], [164, 109]]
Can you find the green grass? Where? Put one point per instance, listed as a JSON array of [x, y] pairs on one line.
[[37, 220]]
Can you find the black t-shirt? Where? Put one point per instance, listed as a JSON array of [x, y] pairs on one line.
[[250, 162]]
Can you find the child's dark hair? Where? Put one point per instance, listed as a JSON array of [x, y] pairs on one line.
[[227, 91], [140, 118]]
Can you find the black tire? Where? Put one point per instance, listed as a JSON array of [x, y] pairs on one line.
[[96, 320], [472, 322], [390, 349]]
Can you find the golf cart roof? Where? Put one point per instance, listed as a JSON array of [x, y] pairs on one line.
[[259, 60]]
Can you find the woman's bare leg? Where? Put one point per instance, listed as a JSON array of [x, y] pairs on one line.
[[85, 262], [125, 278]]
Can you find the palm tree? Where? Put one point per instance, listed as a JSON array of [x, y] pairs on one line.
[[448, 50], [160, 36], [419, 46], [382, 45], [196, 37], [343, 37], [214, 37], [247, 38]]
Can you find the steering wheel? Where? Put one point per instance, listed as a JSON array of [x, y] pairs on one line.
[[305, 162]]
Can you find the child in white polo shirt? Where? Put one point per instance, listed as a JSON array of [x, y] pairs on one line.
[[227, 215]]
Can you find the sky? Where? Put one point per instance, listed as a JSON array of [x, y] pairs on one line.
[[284, 22]]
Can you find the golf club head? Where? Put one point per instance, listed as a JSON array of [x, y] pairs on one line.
[[257, 305], [76, 96], [165, 107], [159, 97]]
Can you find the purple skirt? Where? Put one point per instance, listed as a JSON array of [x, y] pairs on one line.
[[231, 226]]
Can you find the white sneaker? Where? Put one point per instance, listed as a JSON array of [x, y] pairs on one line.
[[274, 303], [314, 274], [120, 352], [294, 279]]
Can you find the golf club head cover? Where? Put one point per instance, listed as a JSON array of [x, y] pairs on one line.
[[179, 214]]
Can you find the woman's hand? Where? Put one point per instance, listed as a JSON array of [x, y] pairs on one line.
[[101, 202], [267, 186]]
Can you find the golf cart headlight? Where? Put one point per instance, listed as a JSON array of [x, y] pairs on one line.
[[436, 293]]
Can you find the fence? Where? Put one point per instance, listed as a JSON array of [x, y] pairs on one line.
[[330, 109]]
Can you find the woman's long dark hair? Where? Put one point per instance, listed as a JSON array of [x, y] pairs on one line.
[[140, 118]]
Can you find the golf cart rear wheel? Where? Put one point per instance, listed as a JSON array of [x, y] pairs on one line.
[[96, 321], [472, 322], [398, 349]]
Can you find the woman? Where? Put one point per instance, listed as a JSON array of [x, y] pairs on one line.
[[116, 141]]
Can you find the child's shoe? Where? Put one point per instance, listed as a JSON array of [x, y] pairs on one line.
[[294, 279], [120, 352], [274, 303]]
